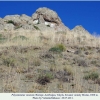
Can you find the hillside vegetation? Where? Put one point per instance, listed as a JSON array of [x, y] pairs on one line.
[[37, 62]]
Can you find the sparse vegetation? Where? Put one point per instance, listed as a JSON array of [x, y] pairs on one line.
[[92, 76], [82, 62], [36, 62], [44, 79], [58, 48], [26, 60], [2, 38], [68, 69], [36, 28], [20, 37], [10, 22], [8, 62], [48, 25]]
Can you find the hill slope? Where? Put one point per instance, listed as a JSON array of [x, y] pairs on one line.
[[40, 54]]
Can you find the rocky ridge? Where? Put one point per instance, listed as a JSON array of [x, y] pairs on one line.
[[43, 19]]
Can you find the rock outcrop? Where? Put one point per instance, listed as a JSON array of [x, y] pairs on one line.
[[49, 18], [44, 19], [80, 31], [45, 14]]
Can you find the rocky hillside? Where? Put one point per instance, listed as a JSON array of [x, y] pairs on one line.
[[40, 54]]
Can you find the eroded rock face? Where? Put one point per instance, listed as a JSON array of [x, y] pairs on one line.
[[44, 18], [14, 18], [47, 15], [49, 18]]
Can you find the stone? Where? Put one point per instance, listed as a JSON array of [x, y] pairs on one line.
[[35, 16], [24, 17], [41, 19], [47, 15], [9, 26]]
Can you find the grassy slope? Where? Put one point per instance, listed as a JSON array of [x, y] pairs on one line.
[[28, 65]]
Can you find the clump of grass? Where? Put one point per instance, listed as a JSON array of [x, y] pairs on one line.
[[92, 76], [2, 38], [44, 79], [94, 62], [30, 91], [61, 32], [21, 70], [29, 76], [10, 88], [36, 62], [68, 70], [98, 81], [48, 25], [36, 28], [63, 76], [20, 37], [82, 62], [10, 22], [17, 27], [79, 51], [8, 62], [58, 48]]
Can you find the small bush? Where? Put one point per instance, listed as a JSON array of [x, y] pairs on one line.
[[36, 28], [10, 22], [94, 62], [82, 62], [92, 76], [58, 48], [63, 76], [98, 81], [68, 70], [44, 79], [20, 37], [48, 25], [37, 62], [2, 38], [9, 62]]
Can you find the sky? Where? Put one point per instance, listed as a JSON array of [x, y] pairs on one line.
[[72, 13]]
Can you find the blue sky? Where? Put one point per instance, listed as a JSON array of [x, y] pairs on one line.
[[72, 13]]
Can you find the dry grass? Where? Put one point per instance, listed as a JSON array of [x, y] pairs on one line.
[[24, 59]]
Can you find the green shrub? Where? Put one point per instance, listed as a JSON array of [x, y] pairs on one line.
[[58, 48], [2, 38], [92, 75], [10, 22], [94, 62], [48, 25], [44, 79], [20, 37], [8, 62], [36, 28]]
